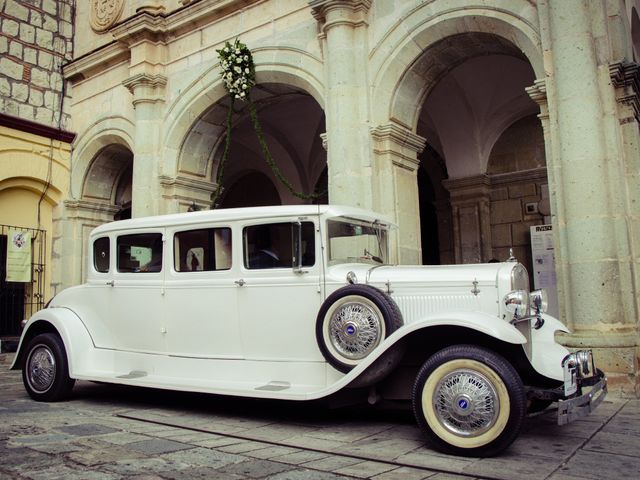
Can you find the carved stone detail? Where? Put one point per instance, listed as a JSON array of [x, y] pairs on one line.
[[625, 77], [105, 13]]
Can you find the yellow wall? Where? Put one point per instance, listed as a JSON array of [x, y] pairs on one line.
[[27, 161]]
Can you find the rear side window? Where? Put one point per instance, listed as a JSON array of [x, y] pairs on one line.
[[101, 255], [141, 252], [202, 250]]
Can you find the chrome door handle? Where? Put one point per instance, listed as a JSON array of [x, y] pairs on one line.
[[111, 283], [240, 282]]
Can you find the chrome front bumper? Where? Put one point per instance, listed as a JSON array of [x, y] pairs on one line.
[[581, 406], [580, 372]]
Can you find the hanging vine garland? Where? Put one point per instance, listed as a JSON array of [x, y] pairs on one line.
[[239, 77]]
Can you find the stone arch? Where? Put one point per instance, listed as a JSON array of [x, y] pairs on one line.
[[103, 138], [37, 186], [279, 65], [196, 123], [398, 83]]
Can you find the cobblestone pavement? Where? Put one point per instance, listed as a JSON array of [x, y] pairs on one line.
[[112, 432]]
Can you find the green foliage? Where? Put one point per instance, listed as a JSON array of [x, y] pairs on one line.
[[239, 77]]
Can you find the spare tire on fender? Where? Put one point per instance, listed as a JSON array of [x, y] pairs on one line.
[[352, 322]]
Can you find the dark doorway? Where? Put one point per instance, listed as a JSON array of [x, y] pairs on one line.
[[428, 219]]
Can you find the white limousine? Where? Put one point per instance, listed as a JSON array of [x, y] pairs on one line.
[[300, 303]]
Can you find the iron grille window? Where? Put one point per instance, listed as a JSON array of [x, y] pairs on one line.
[[19, 300]]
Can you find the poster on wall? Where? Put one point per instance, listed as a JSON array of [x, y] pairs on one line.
[[18, 256], [544, 269]]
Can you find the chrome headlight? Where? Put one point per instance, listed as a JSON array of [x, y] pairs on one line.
[[517, 303], [539, 301]]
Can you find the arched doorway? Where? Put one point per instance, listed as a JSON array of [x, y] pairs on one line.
[[475, 96], [292, 123], [108, 180]]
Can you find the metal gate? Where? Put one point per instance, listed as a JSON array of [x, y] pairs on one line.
[[19, 300]]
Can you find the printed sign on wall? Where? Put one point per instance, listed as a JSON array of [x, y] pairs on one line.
[[18, 256], [544, 269]]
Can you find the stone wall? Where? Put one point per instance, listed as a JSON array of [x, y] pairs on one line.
[[35, 41]]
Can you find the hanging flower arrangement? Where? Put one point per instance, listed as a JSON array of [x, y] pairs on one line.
[[238, 70], [239, 77]]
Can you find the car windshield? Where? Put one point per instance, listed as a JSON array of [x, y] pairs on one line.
[[352, 240]]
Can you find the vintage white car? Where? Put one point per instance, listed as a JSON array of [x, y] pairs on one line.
[[299, 303]]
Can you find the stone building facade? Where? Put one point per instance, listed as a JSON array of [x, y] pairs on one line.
[[36, 39], [467, 123]]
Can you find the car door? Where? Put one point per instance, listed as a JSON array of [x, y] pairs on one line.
[[200, 294], [136, 314], [279, 291]]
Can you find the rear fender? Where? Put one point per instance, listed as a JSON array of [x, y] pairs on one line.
[[64, 322]]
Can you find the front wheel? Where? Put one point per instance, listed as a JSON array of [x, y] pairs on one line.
[[46, 371], [469, 401]]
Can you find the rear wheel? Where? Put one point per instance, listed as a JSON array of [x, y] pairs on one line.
[[46, 371], [469, 401]]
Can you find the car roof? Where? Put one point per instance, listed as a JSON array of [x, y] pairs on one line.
[[238, 214]]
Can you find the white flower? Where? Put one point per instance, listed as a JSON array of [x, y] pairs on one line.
[[246, 58], [237, 51], [244, 86], [237, 69], [226, 49]]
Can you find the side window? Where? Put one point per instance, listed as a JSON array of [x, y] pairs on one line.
[[101, 255], [276, 245], [207, 249], [141, 252]]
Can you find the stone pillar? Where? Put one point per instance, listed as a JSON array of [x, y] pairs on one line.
[[148, 99], [183, 193], [396, 164], [343, 33], [471, 218], [594, 259], [73, 221]]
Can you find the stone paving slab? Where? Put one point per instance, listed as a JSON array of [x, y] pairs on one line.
[[107, 432]]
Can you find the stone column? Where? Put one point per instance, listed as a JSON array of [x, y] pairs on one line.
[[343, 33], [598, 293], [471, 217], [395, 187], [73, 222], [183, 193], [148, 100]]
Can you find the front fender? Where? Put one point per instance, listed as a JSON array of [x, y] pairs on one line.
[[491, 326], [546, 353], [74, 335], [481, 322]]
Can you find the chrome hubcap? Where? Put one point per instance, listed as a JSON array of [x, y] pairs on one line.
[[466, 403], [354, 330], [41, 369]]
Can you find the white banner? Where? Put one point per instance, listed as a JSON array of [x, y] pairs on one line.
[[18, 256]]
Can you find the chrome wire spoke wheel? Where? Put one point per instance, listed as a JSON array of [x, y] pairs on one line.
[[355, 329], [469, 401], [41, 368], [466, 403]]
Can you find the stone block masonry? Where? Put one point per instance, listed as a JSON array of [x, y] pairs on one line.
[[36, 39]]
